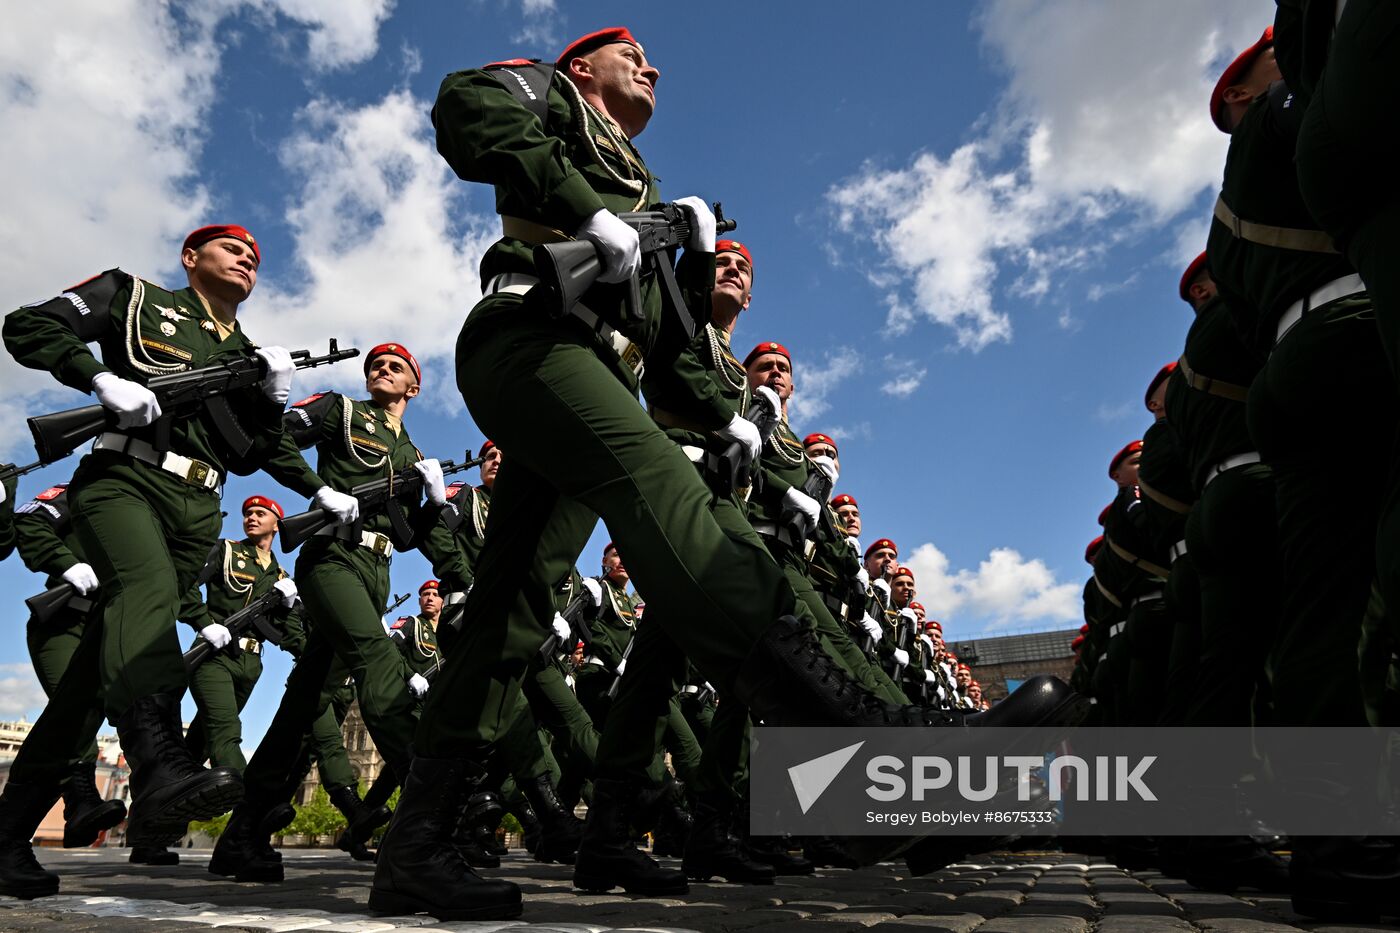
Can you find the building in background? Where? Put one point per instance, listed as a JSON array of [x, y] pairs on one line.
[[1000, 664], [112, 781]]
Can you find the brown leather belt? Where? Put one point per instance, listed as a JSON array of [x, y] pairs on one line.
[[1162, 499], [1229, 390], [518, 228], [1156, 570], [1106, 594], [1306, 241]]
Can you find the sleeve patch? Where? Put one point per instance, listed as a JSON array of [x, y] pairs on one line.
[[400, 622], [307, 401], [455, 488], [53, 492]]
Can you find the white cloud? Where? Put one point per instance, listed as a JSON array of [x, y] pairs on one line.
[[813, 384], [1091, 143], [20, 692], [905, 376], [1108, 412], [339, 33], [1005, 589], [378, 223], [542, 22]]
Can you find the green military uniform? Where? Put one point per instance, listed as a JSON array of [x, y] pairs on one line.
[[417, 641], [612, 629], [1304, 414], [48, 544], [343, 580], [145, 526], [223, 684], [1123, 580], [578, 383]]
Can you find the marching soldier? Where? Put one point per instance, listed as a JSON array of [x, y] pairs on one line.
[[48, 544], [417, 639], [343, 579], [146, 510]]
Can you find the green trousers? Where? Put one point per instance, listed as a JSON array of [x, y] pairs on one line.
[[557, 709], [51, 647], [537, 389], [221, 687], [1232, 537], [1183, 660], [146, 534], [344, 593]]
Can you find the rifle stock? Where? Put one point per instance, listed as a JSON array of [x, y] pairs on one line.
[[44, 606], [250, 616], [295, 529]]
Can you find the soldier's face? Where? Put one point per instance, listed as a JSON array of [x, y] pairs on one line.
[[918, 611], [224, 268], [823, 449], [1127, 472], [259, 521], [613, 568], [429, 603], [620, 76], [878, 561], [964, 678], [390, 379], [733, 279], [774, 371], [850, 519], [974, 693], [491, 467], [902, 590]]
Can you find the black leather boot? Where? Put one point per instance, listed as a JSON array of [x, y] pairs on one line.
[[671, 828], [85, 813], [347, 801], [239, 851], [484, 813], [826, 852], [22, 809], [419, 868], [1345, 878], [168, 788], [607, 857], [714, 850], [153, 855], [560, 829], [530, 828], [272, 824], [477, 809]]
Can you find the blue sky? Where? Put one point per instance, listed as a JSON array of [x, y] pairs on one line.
[[968, 222]]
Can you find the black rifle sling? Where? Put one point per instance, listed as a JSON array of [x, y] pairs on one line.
[[527, 81]]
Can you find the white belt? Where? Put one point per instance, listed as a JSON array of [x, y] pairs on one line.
[[195, 472], [1178, 550], [1148, 597], [1116, 629], [517, 283], [692, 453], [690, 689], [1229, 463], [593, 660], [369, 540], [250, 645], [1334, 290]]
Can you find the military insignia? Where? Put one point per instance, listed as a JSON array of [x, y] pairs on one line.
[[369, 426], [171, 313], [167, 328], [53, 492], [242, 564], [207, 325]]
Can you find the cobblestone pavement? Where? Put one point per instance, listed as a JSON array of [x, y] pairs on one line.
[[1027, 892]]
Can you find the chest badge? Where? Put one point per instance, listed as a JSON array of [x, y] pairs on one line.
[[171, 313], [369, 426], [242, 564], [167, 328], [207, 325]]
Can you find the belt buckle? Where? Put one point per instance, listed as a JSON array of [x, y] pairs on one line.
[[381, 545], [198, 473], [632, 357]]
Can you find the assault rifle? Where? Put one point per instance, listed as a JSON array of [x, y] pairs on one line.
[[735, 467], [181, 395], [617, 679], [578, 626], [398, 601], [10, 471], [380, 495], [796, 526], [572, 267], [44, 606], [256, 616]]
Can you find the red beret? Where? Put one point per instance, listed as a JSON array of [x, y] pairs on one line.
[[843, 499], [933, 625], [234, 232], [1197, 266], [913, 605], [811, 439], [264, 502], [1077, 643], [394, 349], [594, 40], [1092, 550], [904, 572], [428, 585], [485, 447], [964, 667], [1234, 74], [1084, 629], [1132, 448], [1158, 379], [609, 547], [768, 347], [733, 246], [1103, 514], [883, 542]]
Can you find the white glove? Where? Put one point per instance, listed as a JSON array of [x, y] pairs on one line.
[[216, 635], [910, 616], [433, 486], [872, 628], [775, 404], [702, 224], [621, 666], [595, 590], [288, 588], [345, 508], [883, 586], [617, 244], [796, 499], [4, 493], [863, 576], [560, 626], [853, 543], [277, 384], [81, 577], [827, 466], [901, 657], [134, 404], [418, 686], [929, 676], [928, 642], [746, 433]]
